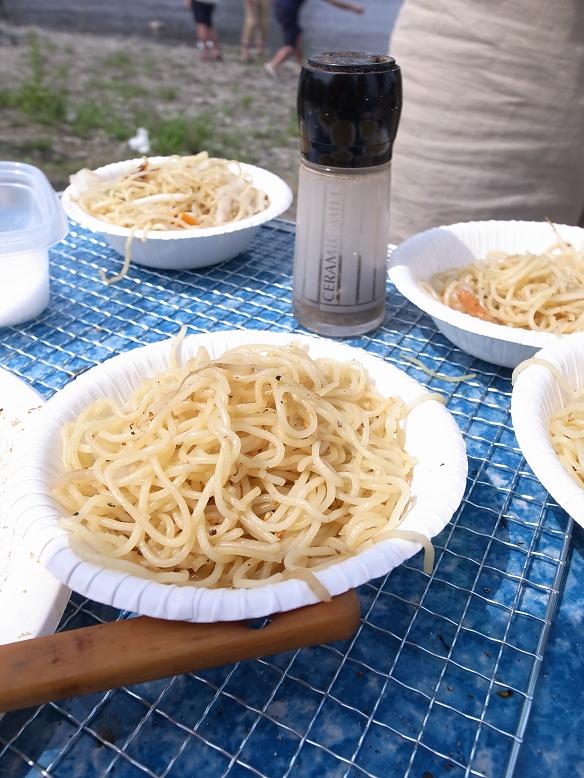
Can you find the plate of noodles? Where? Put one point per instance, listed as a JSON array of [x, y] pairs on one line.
[[236, 474], [31, 599], [547, 407], [176, 212], [499, 290]]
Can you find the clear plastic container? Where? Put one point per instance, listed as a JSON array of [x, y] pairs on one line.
[[31, 220]]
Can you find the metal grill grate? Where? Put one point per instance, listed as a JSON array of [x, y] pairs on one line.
[[438, 679]]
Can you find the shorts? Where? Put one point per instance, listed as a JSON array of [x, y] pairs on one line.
[[287, 13], [203, 12]]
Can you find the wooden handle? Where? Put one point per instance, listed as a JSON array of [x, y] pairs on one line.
[[118, 653]]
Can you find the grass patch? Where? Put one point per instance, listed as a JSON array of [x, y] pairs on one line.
[[292, 126], [167, 93], [8, 98], [123, 88], [38, 98], [120, 61], [89, 117], [41, 102], [127, 90], [181, 135], [40, 145], [119, 127], [119, 86], [93, 117], [50, 45], [268, 133], [97, 85], [148, 64], [232, 143], [61, 72], [113, 105]]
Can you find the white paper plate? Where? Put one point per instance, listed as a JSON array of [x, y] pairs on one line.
[[457, 245], [31, 599], [181, 249], [438, 485], [536, 396]]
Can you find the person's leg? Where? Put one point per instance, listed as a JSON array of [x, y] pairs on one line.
[[249, 22], [213, 44], [283, 53], [200, 27], [287, 16], [255, 10], [298, 49], [263, 16], [203, 40]]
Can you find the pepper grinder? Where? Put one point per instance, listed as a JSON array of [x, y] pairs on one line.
[[349, 104]]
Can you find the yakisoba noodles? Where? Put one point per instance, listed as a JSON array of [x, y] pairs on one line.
[[235, 472], [179, 193], [566, 426], [450, 379], [543, 292]]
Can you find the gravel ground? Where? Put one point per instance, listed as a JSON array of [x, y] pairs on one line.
[[70, 100]]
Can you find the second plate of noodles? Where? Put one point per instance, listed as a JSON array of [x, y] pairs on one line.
[[540, 291], [499, 290], [176, 212], [177, 193], [238, 474], [547, 408]]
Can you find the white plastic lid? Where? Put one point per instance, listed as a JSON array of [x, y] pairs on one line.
[[31, 216]]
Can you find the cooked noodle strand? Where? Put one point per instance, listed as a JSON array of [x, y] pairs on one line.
[[178, 193], [542, 292], [566, 425], [253, 468]]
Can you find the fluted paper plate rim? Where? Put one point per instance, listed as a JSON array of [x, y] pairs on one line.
[[426, 253], [431, 435], [275, 187], [32, 601], [536, 396]]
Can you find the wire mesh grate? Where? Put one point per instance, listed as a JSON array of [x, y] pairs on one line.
[[439, 678]]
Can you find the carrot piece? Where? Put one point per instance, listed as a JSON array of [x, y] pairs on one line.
[[188, 218], [469, 303]]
